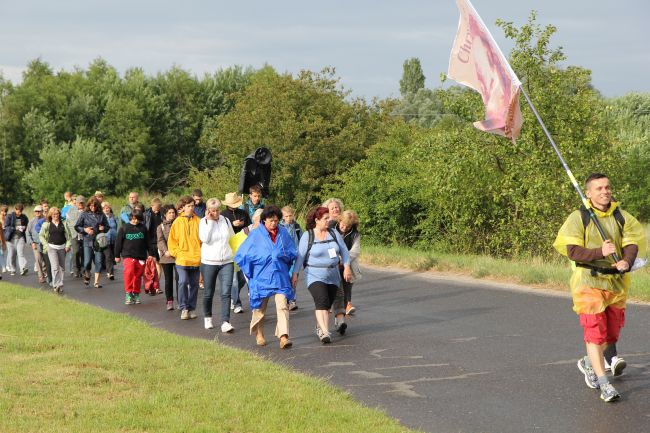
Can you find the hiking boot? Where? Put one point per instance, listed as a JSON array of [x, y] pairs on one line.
[[207, 323], [590, 376], [185, 315], [285, 343], [136, 298], [170, 305], [293, 305], [128, 299], [608, 393]]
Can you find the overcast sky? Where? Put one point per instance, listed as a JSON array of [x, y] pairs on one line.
[[366, 41]]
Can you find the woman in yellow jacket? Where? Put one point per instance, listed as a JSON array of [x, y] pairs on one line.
[[184, 245]]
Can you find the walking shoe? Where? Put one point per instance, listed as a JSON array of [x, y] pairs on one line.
[[340, 327], [60, 290], [192, 314], [170, 305], [293, 305], [285, 343], [238, 309], [259, 338], [349, 309], [324, 337], [608, 393], [232, 305], [185, 315], [136, 298], [590, 376], [98, 286], [128, 299], [23, 272], [617, 366], [86, 281], [12, 273], [41, 280], [226, 327], [207, 323]]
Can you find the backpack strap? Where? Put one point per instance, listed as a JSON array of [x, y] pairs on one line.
[[311, 241], [618, 216]]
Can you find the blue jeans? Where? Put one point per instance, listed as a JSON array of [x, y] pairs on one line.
[[92, 256], [188, 286], [238, 281], [210, 273]]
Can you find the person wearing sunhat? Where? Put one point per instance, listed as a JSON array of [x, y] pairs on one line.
[[239, 219]]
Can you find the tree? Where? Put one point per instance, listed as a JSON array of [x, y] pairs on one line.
[[80, 166], [412, 77]]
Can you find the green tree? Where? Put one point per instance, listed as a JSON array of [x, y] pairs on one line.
[[79, 166], [412, 77]]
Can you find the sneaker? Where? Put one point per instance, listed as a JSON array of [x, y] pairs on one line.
[[340, 327], [207, 323], [226, 327], [232, 305], [98, 286], [12, 273], [136, 298], [617, 366], [349, 309], [170, 305], [324, 337], [185, 315], [238, 309], [23, 272], [192, 314], [128, 299], [608, 393], [590, 376], [293, 305]]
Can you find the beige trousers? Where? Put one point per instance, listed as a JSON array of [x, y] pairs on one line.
[[282, 311]]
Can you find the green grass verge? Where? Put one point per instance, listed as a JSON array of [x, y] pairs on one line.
[[533, 272], [71, 367]]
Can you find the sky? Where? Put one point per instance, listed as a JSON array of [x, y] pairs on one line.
[[366, 41]]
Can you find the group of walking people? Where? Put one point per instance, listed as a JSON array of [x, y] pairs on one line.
[[195, 244]]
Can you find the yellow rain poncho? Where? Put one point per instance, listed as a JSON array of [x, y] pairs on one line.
[[592, 294]]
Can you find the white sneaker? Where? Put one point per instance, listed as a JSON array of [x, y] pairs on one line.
[[226, 327], [618, 365], [238, 309], [232, 305], [207, 322]]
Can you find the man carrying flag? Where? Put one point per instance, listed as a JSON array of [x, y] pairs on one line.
[[599, 284], [593, 237]]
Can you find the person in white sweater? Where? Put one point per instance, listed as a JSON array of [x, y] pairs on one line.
[[215, 232]]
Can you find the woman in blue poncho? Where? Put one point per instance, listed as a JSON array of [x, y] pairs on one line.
[[265, 258]]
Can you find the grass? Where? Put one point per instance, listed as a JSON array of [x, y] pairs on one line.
[[533, 272], [71, 367]]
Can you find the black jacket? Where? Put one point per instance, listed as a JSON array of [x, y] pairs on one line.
[[237, 214], [133, 242], [256, 171]]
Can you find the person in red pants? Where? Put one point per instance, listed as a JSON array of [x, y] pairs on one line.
[[133, 245]]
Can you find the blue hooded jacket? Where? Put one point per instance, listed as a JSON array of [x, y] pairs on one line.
[[266, 264]]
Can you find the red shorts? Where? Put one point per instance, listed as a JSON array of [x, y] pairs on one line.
[[603, 327]]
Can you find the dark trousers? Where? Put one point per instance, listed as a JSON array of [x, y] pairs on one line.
[[109, 259], [169, 271]]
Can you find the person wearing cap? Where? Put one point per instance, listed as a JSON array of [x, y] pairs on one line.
[[74, 258], [34, 242], [239, 219]]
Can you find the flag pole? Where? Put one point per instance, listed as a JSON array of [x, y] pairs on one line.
[[574, 182]]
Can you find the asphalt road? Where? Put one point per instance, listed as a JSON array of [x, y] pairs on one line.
[[441, 354]]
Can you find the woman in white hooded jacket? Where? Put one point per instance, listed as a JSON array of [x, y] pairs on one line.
[[215, 232]]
